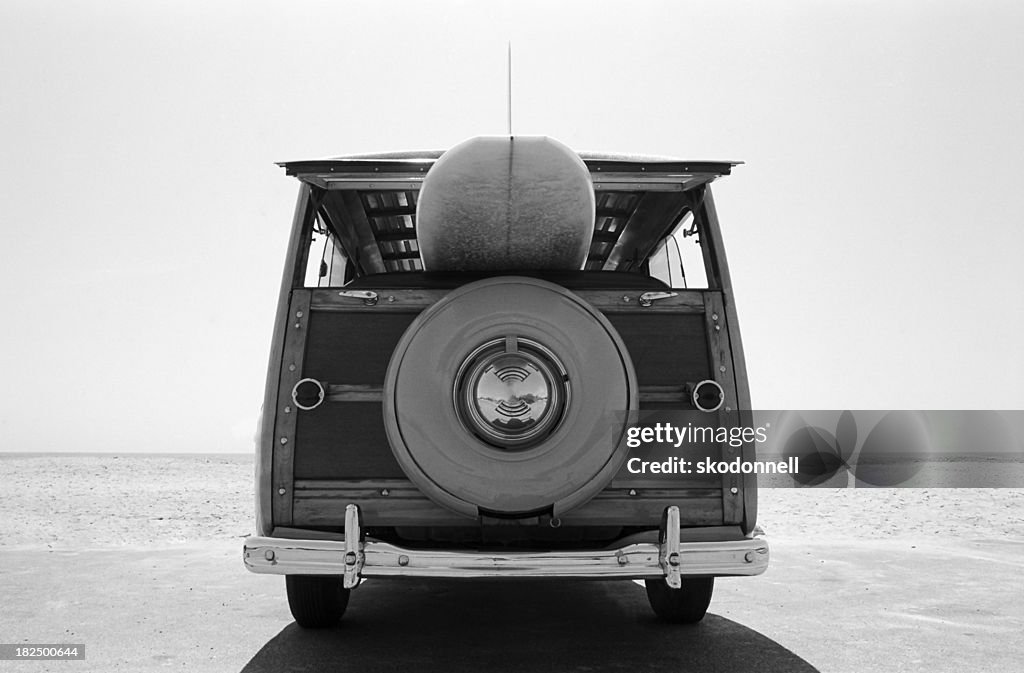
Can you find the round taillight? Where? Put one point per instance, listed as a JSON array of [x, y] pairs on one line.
[[708, 395], [511, 393]]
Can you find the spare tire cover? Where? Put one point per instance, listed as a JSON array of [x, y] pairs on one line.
[[439, 395]]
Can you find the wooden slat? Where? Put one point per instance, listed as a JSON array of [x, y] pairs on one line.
[[354, 393], [625, 510], [380, 184], [663, 394], [640, 166], [685, 301], [302, 225], [713, 231], [379, 511], [369, 393], [720, 352], [283, 440], [319, 502], [388, 300], [633, 183], [628, 301], [322, 502], [364, 487], [622, 186], [712, 234]]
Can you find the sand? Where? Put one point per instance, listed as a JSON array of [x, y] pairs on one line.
[[139, 557], [75, 502]]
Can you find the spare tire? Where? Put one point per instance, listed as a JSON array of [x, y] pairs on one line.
[[508, 397]]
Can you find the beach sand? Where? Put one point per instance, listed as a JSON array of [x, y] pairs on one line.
[[139, 557]]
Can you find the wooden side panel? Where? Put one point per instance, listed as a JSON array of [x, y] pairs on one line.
[[353, 348], [349, 350], [680, 356], [342, 443]]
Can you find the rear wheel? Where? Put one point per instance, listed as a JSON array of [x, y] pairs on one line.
[[316, 601], [686, 605]]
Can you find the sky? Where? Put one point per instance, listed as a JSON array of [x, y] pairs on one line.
[[874, 232]]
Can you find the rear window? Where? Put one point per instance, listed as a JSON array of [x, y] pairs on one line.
[[678, 261], [327, 264]]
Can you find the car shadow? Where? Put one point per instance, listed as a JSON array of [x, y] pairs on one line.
[[534, 626]]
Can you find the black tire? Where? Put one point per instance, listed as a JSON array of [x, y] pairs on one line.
[[316, 601], [686, 605]]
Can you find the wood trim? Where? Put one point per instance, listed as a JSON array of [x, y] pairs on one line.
[[358, 486], [663, 394], [739, 364], [606, 301], [290, 533], [631, 182], [739, 361], [299, 253], [283, 441], [302, 224], [628, 301], [621, 509], [408, 182], [633, 186], [340, 392], [392, 300], [420, 161], [720, 352], [322, 502]]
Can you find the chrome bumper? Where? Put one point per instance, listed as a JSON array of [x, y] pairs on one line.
[[355, 558]]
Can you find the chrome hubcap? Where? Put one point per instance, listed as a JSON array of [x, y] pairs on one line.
[[511, 393]]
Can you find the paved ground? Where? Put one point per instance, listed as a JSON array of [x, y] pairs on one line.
[[830, 607], [860, 579]]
